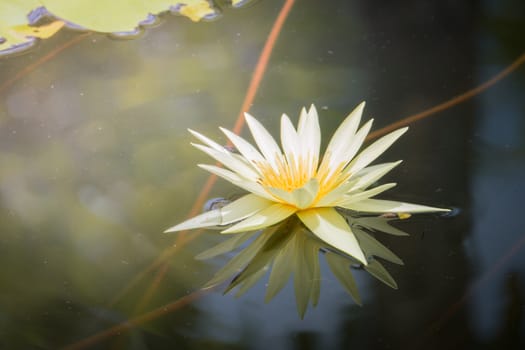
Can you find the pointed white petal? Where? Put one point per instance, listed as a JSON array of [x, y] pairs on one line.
[[384, 206], [342, 139], [244, 147], [369, 175], [235, 211], [373, 151], [264, 218], [264, 140], [233, 163], [310, 138], [289, 138], [336, 195], [281, 195], [301, 124], [353, 148], [305, 195], [207, 219], [208, 141], [235, 179], [361, 195], [243, 207], [330, 227]]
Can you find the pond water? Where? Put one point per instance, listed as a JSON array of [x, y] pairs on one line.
[[96, 162]]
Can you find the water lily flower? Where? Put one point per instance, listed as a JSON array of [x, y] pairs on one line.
[[294, 180]]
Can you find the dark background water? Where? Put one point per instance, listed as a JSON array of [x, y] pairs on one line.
[[95, 163]]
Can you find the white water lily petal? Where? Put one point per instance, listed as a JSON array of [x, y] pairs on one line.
[[358, 140], [264, 218], [207, 219], [310, 137], [331, 228], [266, 143], [242, 169], [301, 124], [341, 140], [235, 179], [373, 151], [305, 195], [235, 211], [289, 139], [243, 207], [369, 175], [384, 206], [244, 147], [281, 196], [359, 196], [208, 141], [336, 195], [354, 147]]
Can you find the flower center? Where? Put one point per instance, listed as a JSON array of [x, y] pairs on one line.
[[291, 174], [284, 175]]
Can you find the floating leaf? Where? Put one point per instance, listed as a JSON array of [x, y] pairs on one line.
[[121, 17], [13, 15]]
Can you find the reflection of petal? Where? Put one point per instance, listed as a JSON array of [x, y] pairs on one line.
[[340, 268], [250, 281], [311, 254], [262, 259], [372, 247], [383, 206], [281, 270], [330, 227], [225, 246], [377, 224], [302, 275], [378, 271], [237, 263], [264, 218]]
